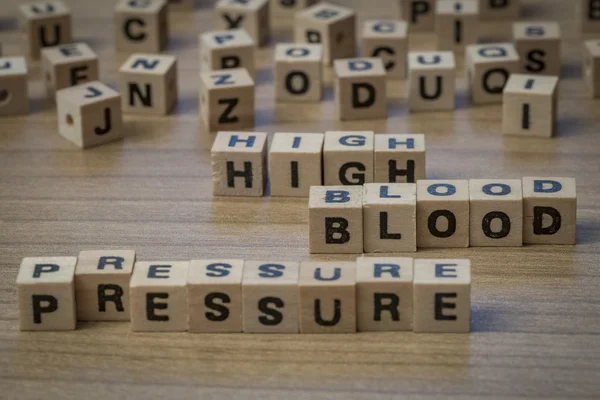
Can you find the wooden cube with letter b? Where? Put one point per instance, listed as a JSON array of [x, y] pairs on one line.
[[420, 14], [488, 69], [388, 40], [442, 296], [549, 210], [298, 72], [149, 84], [226, 50], [238, 161], [432, 77], [68, 65], [348, 158], [399, 158], [89, 114], [45, 24], [360, 89], [499, 9], [456, 24], [390, 217], [141, 26], [251, 15], [14, 92], [538, 45]]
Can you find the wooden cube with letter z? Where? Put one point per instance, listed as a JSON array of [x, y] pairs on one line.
[[141, 26], [46, 292], [399, 158], [89, 114], [420, 14], [14, 97], [227, 50], [149, 84], [442, 296], [388, 40], [45, 24], [251, 15], [538, 45], [549, 210], [431, 77], [298, 72], [238, 162], [227, 99], [68, 65], [488, 69], [348, 158]]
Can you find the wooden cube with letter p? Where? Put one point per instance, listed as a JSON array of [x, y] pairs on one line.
[[89, 114], [488, 69], [14, 92], [149, 84], [238, 161], [538, 45], [251, 15], [46, 294], [45, 24], [298, 72], [388, 40], [360, 89], [68, 65], [159, 296], [348, 158], [442, 296], [549, 210], [456, 24], [226, 50], [591, 67], [420, 14], [499, 9], [399, 158], [431, 77], [141, 26]]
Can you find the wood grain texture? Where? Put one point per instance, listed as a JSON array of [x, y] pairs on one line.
[[535, 310]]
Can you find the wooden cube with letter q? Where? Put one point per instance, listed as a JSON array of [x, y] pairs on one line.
[[360, 89], [226, 50], [298, 72], [251, 15], [68, 65], [348, 158], [238, 161], [45, 24], [399, 158], [388, 40], [227, 99], [488, 68], [141, 26], [432, 81], [14, 92], [538, 45], [420, 14]]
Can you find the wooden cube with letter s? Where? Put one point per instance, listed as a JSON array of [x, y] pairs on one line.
[[141, 26], [538, 45], [251, 15], [456, 24]]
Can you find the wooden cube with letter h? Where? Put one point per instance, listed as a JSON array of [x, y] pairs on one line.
[[432, 77], [348, 158], [488, 69], [149, 84], [499, 9], [360, 89], [420, 14], [141, 26], [549, 210], [238, 162], [45, 24], [14, 96], [298, 72], [399, 158], [251, 15], [227, 50], [388, 40], [335, 218], [456, 25], [591, 67], [538, 45], [227, 99], [89, 114], [442, 296], [68, 65]]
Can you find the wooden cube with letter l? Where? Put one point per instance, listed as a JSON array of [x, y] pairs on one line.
[[149, 84], [331, 25], [589, 15], [591, 67], [420, 14], [390, 217], [141, 26], [496, 213], [388, 40], [348, 158], [14, 89], [89, 114], [335, 219], [238, 161], [399, 158], [227, 99], [251, 15], [442, 296], [360, 89], [46, 294], [499, 9], [298, 72], [456, 24], [432, 77], [226, 50], [549, 210], [538, 45], [45, 24], [68, 65]]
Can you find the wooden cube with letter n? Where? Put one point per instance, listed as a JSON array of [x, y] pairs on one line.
[[348, 158], [335, 219], [45, 24], [251, 15], [149, 84], [360, 89], [420, 14], [14, 92], [499, 9], [141, 26], [442, 296], [591, 67], [399, 158], [298, 72], [530, 105], [538, 45], [388, 40], [589, 15], [46, 293], [488, 68], [68, 65], [226, 50], [390, 217], [89, 114], [496, 213], [238, 162], [431, 77], [456, 24], [549, 210], [227, 99]]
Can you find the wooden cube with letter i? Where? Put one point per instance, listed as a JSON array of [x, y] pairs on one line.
[[141, 26], [250, 15], [456, 24]]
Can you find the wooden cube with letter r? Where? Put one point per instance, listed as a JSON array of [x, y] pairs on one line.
[[456, 25], [388, 40], [141, 26], [45, 24], [251, 15], [227, 50], [399, 158], [68, 65]]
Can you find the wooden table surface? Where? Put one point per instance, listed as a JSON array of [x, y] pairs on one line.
[[535, 310]]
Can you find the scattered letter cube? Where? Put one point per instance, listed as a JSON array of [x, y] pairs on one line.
[[420, 14], [226, 50], [399, 158], [388, 40], [591, 66], [538, 45], [589, 15], [285, 10], [251, 15], [499, 9], [432, 77], [14, 98], [348, 158], [298, 72], [68, 65], [45, 24], [141, 26], [457, 25], [182, 5]]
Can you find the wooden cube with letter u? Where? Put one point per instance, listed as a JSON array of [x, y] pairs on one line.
[[432, 81], [141, 26], [45, 24]]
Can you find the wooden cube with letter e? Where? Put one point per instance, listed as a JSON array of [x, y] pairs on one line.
[[431, 77], [499, 9], [348, 158], [226, 50], [298, 72], [388, 40], [456, 24], [538, 45], [420, 14], [488, 69], [141, 26], [45, 24], [251, 15], [14, 89], [399, 158], [68, 65]]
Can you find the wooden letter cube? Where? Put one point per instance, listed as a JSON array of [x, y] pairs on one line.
[[335, 219], [226, 50], [141, 26], [457, 25], [496, 213], [285, 10], [14, 98], [89, 114], [331, 25], [102, 284], [295, 163], [68, 65], [227, 99], [442, 213], [251, 15], [538, 45], [45, 24], [327, 297], [390, 217], [159, 296], [442, 296], [589, 15], [298, 72], [488, 68], [182, 5], [348, 158], [149, 84], [530, 105], [591, 66], [384, 294], [360, 89], [238, 162], [432, 77], [549, 211], [499, 9], [399, 158], [215, 296], [388, 40], [47, 294], [420, 14], [270, 297]]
